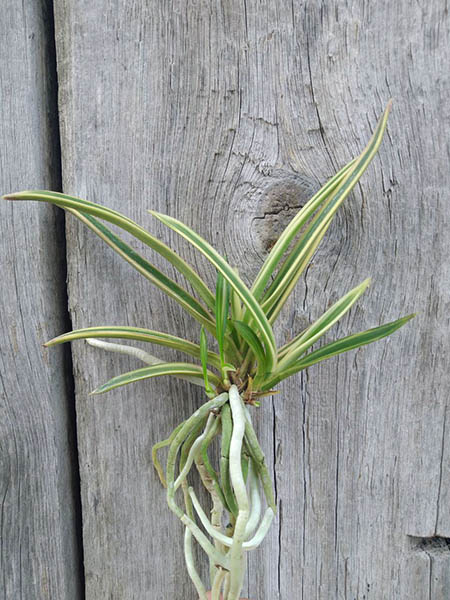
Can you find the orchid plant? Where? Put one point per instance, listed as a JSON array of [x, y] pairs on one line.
[[242, 366]]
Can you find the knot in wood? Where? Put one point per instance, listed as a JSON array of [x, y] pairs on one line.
[[284, 193]]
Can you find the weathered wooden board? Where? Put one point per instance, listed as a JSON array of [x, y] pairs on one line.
[[38, 539], [224, 114]]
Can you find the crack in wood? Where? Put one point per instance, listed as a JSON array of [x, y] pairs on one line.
[[440, 469], [55, 133], [433, 545]]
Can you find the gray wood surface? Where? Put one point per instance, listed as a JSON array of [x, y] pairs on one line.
[[223, 114], [38, 540]]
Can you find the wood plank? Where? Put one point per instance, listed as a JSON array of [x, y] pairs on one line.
[[38, 540], [224, 115], [371, 423]]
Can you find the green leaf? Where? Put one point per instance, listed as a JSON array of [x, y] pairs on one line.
[[253, 307], [290, 272], [149, 271], [96, 210], [138, 334], [237, 310], [298, 346], [276, 254], [253, 341], [221, 311], [338, 347], [176, 369], [204, 359], [332, 194], [149, 359]]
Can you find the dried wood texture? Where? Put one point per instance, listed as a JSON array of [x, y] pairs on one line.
[[38, 540], [226, 115]]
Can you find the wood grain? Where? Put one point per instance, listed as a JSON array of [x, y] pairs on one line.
[[38, 539], [222, 115]]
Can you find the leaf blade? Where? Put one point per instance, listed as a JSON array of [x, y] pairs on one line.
[[293, 271], [159, 370], [138, 334], [257, 348], [338, 187], [345, 344], [306, 339], [276, 254], [233, 279], [96, 210], [221, 312], [147, 269], [204, 361]]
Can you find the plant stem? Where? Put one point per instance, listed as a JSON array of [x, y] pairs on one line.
[[160, 445], [191, 567], [218, 580], [227, 428], [237, 479], [210, 485], [255, 501], [226, 587], [204, 460], [193, 451], [218, 557], [242, 465], [260, 461], [245, 367]]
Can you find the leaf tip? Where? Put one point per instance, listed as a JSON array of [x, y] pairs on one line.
[[17, 195], [95, 392], [156, 214]]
